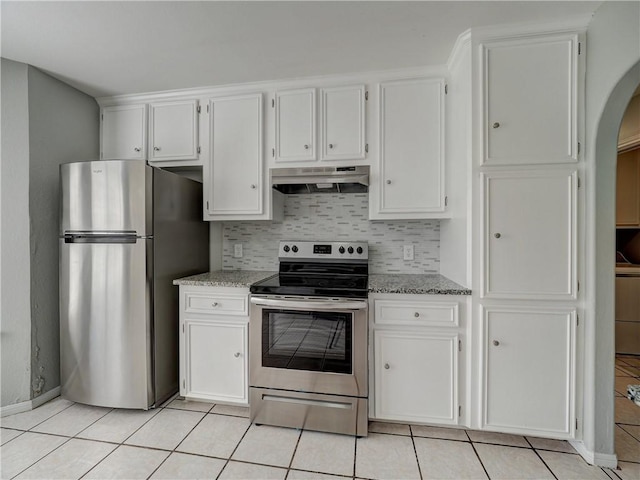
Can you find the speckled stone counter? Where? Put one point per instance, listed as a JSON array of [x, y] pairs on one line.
[[432, 284], [224, 278]]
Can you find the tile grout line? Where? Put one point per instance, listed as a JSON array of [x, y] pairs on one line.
[[295, 449], [415, 452], [234, 451], [541, 459], [355, 456], [477, 455]]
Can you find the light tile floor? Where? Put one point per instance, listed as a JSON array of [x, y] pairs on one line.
[[184, 439]]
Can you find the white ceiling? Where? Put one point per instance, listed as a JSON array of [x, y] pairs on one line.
[[110, 48]]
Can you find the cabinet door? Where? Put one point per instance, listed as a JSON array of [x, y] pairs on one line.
[[173, 131], [296, 125], [215, 361], [411, 178], [529, 235], [234, 180], [529, 371], [343, 123], [530, 100], [416, 376], [628, 189], [124, 132]]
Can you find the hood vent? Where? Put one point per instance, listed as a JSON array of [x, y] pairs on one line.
[[295, 181]]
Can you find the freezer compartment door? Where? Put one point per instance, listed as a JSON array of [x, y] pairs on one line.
[[105, 323], [106, 197]]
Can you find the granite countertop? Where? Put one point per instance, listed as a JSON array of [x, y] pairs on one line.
[[225, 278], [433, 284]]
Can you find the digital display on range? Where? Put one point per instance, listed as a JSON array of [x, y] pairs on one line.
[[322, 249]]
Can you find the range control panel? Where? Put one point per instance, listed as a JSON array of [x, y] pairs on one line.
[[319, 250]]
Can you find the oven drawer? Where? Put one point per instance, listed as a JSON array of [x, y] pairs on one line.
[[416, 313], [209, 302]]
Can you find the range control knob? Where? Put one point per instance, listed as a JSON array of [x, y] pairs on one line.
[[359, 250], [350, 249], [286, 248], [341, 249], [294, 248]]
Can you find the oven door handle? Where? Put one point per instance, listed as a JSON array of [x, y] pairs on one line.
[[310, 304]]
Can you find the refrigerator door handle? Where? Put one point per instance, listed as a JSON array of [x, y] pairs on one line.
[[100, 237]]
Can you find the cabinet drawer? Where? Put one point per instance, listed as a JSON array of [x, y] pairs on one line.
[[212, 303], [433, 314]]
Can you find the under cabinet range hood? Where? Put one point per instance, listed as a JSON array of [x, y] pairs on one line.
[[295, 181]]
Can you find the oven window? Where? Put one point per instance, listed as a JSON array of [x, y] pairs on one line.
[[315, 341]]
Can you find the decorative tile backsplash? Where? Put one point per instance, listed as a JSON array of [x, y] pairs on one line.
[[334, 217]]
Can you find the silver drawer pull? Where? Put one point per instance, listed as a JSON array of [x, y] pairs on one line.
[[304, 401], [416, 314], [496, 343], [237, 354], [386, 366], [214, 304]]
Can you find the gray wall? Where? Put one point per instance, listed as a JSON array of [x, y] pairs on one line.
[[15, 325], [63, 127], [57, 124]]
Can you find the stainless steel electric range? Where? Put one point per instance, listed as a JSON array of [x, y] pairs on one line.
[[308, 339]]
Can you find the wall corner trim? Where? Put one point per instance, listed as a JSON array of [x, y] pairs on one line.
[[605, 460], [30, 404]]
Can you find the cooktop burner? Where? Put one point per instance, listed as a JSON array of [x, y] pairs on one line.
[[323, 269]]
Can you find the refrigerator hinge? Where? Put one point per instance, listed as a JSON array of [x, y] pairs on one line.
[[366, 148], [579, 48], [459, 345], [446, 89], [459, 410], [198, 150], [199, 109]]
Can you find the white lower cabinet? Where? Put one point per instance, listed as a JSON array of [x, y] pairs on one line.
[[417, 343], [214, 331], [528, 366], [416, 376]]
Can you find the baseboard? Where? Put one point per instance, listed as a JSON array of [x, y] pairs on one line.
[[593, 458], [30, 404]]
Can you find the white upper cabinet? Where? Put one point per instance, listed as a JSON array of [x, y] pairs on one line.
[[529, 100], [529, 235], [410, 179], [295, 125], [528, 369], [342, 123], [173, 131], [233, 175], [124, 132]]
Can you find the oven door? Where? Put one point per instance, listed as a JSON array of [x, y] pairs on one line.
[[302, 344]]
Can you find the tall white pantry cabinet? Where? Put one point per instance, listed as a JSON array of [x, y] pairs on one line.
[[526, 179]]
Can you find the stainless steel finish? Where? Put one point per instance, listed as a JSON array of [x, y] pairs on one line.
[[496, 343], [317, 382], [127, 231], [105, 358], [309, 303], [106, 196], [497, 235], [386, 366], [315, 175], [496, 125], [312, 411], [305, 251]]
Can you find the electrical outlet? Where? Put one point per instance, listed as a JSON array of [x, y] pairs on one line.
[[237, 250], [407, 252]]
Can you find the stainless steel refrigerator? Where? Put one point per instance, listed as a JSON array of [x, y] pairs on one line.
[[127, 231]]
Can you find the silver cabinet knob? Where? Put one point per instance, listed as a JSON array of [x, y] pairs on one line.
[[497, 235], [417, 314], [386, 366], [388, 182], [496, 125], [137, 149], [253, 186], [496, 343], [237, 354], [306, 147], [331, 145], [156, 149], [214, 304]]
